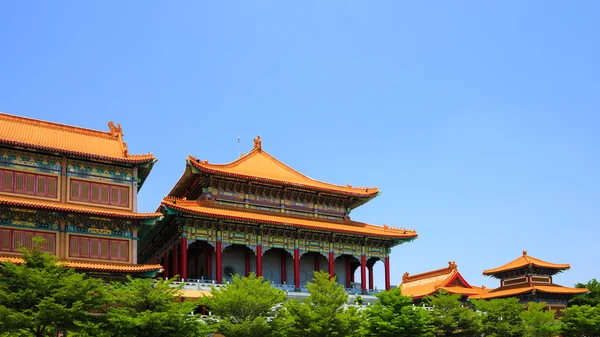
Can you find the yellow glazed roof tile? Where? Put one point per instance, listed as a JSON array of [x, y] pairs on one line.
[[526, 288], [526, 261], [60, 138], [205, 209], [260, 165], [99, 266]]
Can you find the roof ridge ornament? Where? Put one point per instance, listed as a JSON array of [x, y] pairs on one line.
[[452, 265], [405, 277], [257, 143], [117, 132], [524, 253]]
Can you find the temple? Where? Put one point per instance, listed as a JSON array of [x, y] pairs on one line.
[[429, 283], [530, 280], [256, 214], [77, 189]]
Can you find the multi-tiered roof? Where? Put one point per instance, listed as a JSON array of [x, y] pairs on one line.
[[429, 283], [49, 146]]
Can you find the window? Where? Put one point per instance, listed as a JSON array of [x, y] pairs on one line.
[[38, 185], [12, 240], [98, 248], [96, 193]]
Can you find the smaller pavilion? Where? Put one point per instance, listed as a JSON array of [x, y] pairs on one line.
[[530, 280], [449, 279]]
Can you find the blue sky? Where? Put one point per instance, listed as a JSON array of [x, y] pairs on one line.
[[477, 120]]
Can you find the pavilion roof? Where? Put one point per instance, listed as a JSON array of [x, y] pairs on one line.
[[528, 288], [72, 208], [241, 214], [96, 266], [259, 165], [70, 140], [424, 284], [526, 261]]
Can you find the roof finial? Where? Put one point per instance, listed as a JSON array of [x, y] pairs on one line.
[[524, 253], [405, 277], [115, 131], [452, 265], [257, 143]]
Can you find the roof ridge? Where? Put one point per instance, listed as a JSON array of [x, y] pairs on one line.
[[452, 267], [59, 126]]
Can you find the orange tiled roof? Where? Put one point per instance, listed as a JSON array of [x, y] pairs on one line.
[[85, 265], [527, 288], [54, 137], [466, 291], [526, 261], [54, 206], [199, 208], [427, 283], [260, 165]]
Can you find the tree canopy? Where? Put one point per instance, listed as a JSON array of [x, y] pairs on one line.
[[244, 307], [41, 296], [592, 298], [451, 318]]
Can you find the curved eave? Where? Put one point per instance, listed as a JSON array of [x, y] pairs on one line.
[[399, 238], [371, 194], [75, 209], [95, 266], [131, 159], [494, 272]]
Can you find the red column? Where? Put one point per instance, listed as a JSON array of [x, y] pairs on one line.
[[167, 271], [184, 261], [258, 261], [331, 266], [348, 272], [219, 266], [247, 263], [317, 263], [363, 273], [208, 262], [175, 260], [387, 273], [283, 267], [297, 268], [370, 277]]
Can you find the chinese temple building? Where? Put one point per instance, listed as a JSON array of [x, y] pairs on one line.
[[258, 215], [77, 189], [530, 280], [429, 283]]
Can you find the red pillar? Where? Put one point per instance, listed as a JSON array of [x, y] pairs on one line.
[[258, 261], [208, 262], [184, 261], [167, 271], [331, 266], [370, 277], [317, 263], [175, 260], [219, 263], [363, 273], [247, 263], [283, 267], [297, 268], [348, 272], [387, 273]]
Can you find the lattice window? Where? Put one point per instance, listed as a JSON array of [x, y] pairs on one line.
[[41, 186], [74, 246], [75, 190], [114, 195], [52, 187], [19, 182], [17, 241], [104, 195], [85, 191], [94, 248], [104, 249], [95, 193], [84, 249], [5, 240], [114, 250], [8, 177], [124, 251], [124, 197], [30, 184], [50, 245]]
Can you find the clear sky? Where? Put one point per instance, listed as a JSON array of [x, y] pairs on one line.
[[478, 121]]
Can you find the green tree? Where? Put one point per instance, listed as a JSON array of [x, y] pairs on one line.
[[322, 313], [538, 322], [394, 315], [581, 321], [245, 306], [451, 318], [592, 298], [148, 308], [501, 317], [41, 296]]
